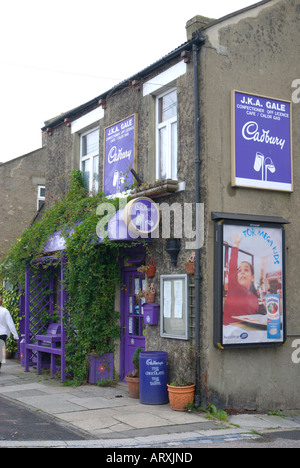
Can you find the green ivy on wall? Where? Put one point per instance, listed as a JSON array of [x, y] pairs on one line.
[[92, 273]]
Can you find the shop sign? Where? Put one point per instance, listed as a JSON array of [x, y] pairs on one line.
[[141, 216], [261, 142], [120, 142], [250, 285]]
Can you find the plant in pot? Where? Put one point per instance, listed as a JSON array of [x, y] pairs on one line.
[[182, 389], [190, 264], [149, 269], [148, 294], [133, 379]]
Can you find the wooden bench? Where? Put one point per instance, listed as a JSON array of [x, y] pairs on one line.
[[49, 343]]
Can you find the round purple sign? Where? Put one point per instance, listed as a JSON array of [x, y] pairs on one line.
[[142, 216]]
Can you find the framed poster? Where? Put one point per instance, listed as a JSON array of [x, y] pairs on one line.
[[120, 154], [261, 142], [174, 306], [249, 284]]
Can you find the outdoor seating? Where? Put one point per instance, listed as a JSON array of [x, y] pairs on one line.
[[49, 343]]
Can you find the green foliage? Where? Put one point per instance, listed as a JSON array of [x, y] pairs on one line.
[[11, 303], [92, 273]]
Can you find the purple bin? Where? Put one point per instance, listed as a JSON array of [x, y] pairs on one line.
[[101, 367]]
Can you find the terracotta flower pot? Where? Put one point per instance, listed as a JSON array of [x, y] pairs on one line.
[[150, 272], [133, 386], [150, 298], [181, 396], [190, 268]]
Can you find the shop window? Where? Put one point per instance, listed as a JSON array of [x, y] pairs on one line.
[[166, 130], [89, 155]]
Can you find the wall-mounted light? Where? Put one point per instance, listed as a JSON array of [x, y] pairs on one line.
[[173, 247]]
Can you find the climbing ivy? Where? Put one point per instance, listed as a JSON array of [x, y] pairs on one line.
[[92, 273]]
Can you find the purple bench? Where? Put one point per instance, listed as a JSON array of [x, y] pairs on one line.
[[49, 343]]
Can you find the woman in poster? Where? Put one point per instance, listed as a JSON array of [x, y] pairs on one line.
[[242, 296]]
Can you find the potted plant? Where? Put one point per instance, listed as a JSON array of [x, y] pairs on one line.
[[148, 294], [182, 389], [133, 379], [190, 264], [100, 367], [149, 269]]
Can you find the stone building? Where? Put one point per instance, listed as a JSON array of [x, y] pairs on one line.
[[22, 194], [179, 122]]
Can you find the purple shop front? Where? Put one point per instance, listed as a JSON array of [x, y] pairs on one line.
[[120, 154], [261, 142]]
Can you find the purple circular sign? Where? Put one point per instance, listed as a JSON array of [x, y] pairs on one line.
[[142, 215]]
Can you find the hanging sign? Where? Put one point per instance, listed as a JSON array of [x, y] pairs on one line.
[[120, 142], [261, 142], [141, 216]]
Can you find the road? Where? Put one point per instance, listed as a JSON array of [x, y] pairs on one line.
[[282, 439], [20, 424]]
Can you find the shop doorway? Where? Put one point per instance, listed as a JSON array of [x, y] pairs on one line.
[[133, 327]]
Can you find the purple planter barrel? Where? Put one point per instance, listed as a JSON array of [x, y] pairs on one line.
[[101, 367]]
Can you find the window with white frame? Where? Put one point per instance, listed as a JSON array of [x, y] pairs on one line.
[[41, 196], [89, 156], [166, 130]]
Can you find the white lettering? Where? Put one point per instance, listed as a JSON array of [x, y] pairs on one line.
[[116, 155], [251, 132]]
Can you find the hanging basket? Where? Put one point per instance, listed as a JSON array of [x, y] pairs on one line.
[[190, 268], [190, 264], [151, 268]]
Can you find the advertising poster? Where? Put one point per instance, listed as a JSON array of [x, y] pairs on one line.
[[253, 278], [120, 144], [261, 142]]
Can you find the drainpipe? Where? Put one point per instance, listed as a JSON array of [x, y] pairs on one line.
[[198, 396]]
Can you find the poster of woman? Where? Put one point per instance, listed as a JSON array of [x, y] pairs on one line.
[[253, 275]]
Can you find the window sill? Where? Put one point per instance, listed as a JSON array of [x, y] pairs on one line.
[[158, 188]]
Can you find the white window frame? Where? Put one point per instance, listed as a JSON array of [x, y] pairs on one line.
[[40, 197], [90, 157], [171, 164]]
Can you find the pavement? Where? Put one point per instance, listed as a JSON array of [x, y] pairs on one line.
[[108, 418]]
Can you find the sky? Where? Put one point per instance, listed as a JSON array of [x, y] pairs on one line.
[[60, 54]]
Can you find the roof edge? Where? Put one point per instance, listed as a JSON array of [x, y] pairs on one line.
[[235, 13], [199, 40]]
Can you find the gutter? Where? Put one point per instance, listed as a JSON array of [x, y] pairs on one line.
[[196, 48]]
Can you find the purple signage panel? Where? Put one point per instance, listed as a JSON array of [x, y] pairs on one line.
[[119, 154], [261, 142]]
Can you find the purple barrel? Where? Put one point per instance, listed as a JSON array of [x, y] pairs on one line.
[[154, 378]]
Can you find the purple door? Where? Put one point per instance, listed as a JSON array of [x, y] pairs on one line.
[[132, 318]]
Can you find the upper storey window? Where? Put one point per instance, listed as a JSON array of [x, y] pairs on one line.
[[166, 128], [89, 155]]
